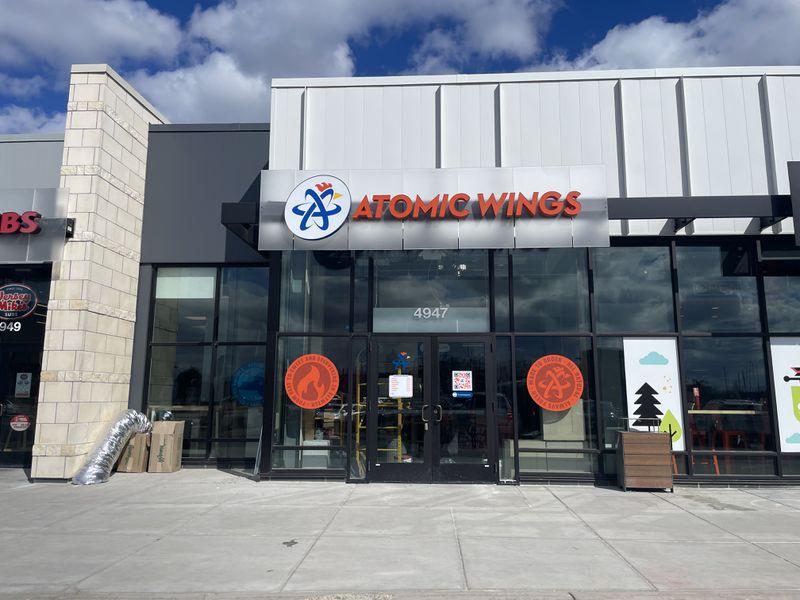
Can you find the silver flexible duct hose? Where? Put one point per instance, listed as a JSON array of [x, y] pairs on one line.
[[97, 468]]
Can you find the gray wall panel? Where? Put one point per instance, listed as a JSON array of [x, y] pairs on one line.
[[30, 161], [190, 173]]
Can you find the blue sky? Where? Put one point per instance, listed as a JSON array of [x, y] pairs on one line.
[[212, 61]]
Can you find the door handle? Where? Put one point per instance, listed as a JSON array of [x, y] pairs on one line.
[[424, 408], [438, 412]]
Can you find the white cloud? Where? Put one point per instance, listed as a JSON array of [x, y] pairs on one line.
[[20, 87], [18, 119], [214, 90], [736, 32], [57, 33]]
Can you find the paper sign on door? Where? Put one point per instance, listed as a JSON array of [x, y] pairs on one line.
[[401, 386]]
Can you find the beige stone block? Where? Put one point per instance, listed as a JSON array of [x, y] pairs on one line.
[[74, 340], [54, 450], [100, 274], [55, 392], [99, 78], [81, 156], [63, 319], [85, 361], [75, 250], [82, 393], [48, 467], [85, 202], [59, 360], [88, 412], [125, 329], [84, 120], [87, 320], [51, 433], [78, 433], [106, 123], [95, 342], [86, 92], [66, 412], [116, 345], [46, 412], [107, 325], [101, 392], [53, 340], [110, 297], [122, 365], [112, 260], [94, 292], [121, 282], [72, 464], [79, 184], [79, 269], [126, 221], [105, 363], [92, 138], [67, 290]]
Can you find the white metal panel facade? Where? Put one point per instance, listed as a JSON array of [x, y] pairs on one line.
[[669, 132]]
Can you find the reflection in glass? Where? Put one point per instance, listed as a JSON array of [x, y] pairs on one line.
[[782, 295], [180, 382], [502, 315], [315, 292], [358, 411], [184, 305], [243, 304], [717, 288], [726, 464], [431, 290], [633, 289], [726, 388], [505, 409], [551, 290], [239, 397], [317, 438], [612, 407], [541, 429]]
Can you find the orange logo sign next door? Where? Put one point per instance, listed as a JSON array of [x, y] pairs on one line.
[[311, 381], [555, 382]]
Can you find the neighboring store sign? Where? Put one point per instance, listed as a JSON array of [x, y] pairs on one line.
[[516, 207], [317, 207], [22, 385], [17, 301], [555, 383], [401, 386], [20, 422], [311, 381], [652, 387], [786, 378], [14, 222]]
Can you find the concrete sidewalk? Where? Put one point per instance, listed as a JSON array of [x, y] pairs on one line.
[[208, 534]]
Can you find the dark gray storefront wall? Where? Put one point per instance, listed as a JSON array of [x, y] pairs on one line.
[[191, 171]]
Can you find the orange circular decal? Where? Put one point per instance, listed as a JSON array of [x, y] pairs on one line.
[[555, 382], [311, 381]]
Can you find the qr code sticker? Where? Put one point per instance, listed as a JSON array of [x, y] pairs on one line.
[[462, 381]]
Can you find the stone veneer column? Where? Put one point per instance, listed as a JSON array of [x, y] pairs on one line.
[[86, 364]]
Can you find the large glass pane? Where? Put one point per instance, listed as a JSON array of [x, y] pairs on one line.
[[726, 388], [551, 290], [180, 387], [727, 464], [184, 305], [633, 289], [612, 406], [463, 432], [782, 294], [317, 437], [502, 311], [399, 410], [243, 304], [717, 288], [358, 411], [239, 394], [505, 408], [543, 429], [23, 322], [431, 290], [315, 292]]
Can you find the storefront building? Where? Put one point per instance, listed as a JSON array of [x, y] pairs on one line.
[[480, 278]]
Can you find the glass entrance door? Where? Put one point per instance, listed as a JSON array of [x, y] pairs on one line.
[[431, 403], [19, 389]]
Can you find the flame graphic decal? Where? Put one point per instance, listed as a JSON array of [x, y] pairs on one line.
[[310, 385]]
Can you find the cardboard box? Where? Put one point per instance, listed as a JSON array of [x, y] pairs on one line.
[[166, 447], [134, 456]]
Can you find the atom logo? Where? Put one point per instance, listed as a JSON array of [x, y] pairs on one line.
[[555, 382], [317, 207]]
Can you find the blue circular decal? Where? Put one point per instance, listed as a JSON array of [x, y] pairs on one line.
[[248, 384], [17, 301]]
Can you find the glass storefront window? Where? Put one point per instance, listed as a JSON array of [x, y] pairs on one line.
[[502, 310], [633, 289], [243, 304], [612, 408], [358, 411], [315, 292], [239, 391], [551, 290], [541, 429], [180, 381], [717, 288], [727, 395], [184, 305], [306, 438], [782, 295], [505, 409], [431, 290]]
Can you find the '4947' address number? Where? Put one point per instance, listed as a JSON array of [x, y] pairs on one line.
[[427, 312]]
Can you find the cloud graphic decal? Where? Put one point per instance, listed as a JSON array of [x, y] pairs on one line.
[[654, 358], [793, 439]]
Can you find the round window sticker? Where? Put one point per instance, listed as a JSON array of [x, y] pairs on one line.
[[247, 385], [311, 381], [317, 207], [17, 301], [555, 383], [20, 422]]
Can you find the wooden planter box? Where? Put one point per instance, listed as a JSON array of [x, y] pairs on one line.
[[644, 460]]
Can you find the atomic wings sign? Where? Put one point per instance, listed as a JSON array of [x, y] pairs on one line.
[[433, 208]]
